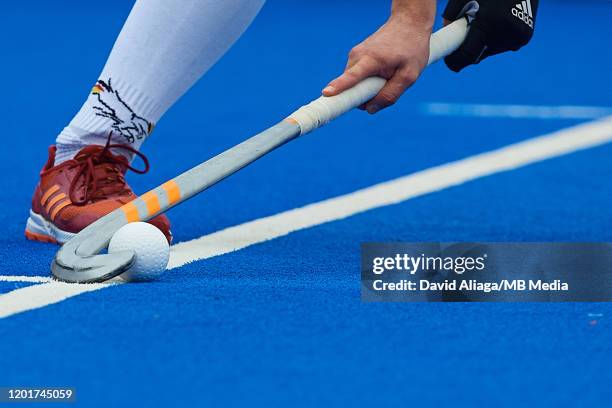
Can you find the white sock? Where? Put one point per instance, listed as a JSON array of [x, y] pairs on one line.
[[162, 50]]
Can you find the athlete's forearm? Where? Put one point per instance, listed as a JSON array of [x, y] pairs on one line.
[[420, 13]]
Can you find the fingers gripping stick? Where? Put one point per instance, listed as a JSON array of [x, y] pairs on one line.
[[79, 260], [327, 108]]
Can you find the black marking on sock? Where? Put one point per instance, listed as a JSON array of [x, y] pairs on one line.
[[125, 121]]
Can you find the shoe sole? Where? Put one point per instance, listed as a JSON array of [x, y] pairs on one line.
[[41, 230]]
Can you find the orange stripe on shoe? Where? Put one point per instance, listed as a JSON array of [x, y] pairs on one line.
[[172, 190], [48, 194], [54, 200], [58, 208], [152, 201], [131, 211]]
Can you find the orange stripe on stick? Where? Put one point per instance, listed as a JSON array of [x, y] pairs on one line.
[[172, 190], [152, 201], [131, 211]]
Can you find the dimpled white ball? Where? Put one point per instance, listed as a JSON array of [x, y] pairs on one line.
[[149, 244]]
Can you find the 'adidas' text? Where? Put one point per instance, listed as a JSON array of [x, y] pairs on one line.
[[523, 11]]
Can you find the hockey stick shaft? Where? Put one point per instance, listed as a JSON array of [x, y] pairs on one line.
[[302, 121], [79, 261]]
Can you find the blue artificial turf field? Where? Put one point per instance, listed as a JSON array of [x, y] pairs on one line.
[[281, 323]]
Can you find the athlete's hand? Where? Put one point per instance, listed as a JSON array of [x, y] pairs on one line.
[[398, 52], [498, 26]]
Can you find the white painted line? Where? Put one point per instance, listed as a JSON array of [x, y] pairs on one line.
[[394, 191], [391, 192], [516, 111], [33, 279], [37, 296]]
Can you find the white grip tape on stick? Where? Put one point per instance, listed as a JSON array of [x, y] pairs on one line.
[[327, 108]]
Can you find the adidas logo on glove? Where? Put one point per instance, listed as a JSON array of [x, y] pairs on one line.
[[523, 11]]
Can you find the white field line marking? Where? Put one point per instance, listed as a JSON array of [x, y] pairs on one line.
[[516, 111], [37, 296], [394, 191], [391, 192], [32, 279]]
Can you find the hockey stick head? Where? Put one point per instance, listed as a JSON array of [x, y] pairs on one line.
[[79, 260]]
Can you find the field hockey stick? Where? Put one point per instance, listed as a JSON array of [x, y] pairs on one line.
[[79, 260]]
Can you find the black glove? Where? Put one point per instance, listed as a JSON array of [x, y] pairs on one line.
[[497, 26]]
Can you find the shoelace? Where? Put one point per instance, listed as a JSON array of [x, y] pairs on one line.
[[112, 181]]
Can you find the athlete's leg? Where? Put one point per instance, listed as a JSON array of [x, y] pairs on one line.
[[163, 48]]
